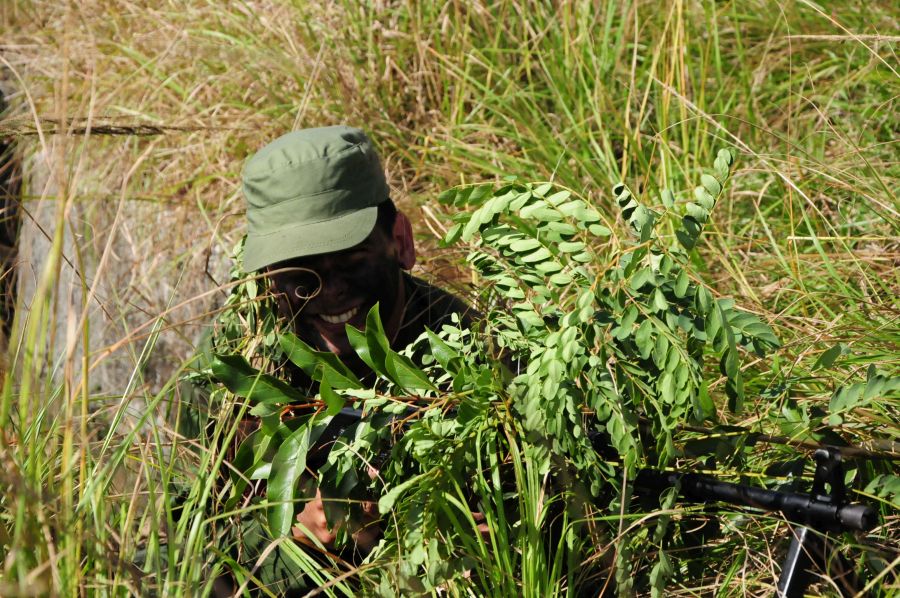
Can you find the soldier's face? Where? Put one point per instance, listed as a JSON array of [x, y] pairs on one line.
[[322, 294]]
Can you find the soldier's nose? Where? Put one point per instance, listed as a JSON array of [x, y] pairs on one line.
[[333, 287], [333, 282]]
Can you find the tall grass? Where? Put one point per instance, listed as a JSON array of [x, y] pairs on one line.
[[127, 236]]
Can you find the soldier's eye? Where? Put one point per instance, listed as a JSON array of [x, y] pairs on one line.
[[306, 284], [298, 283]]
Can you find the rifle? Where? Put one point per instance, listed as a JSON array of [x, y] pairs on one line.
[[811, 516]]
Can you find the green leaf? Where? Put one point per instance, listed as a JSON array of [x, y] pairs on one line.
[[826, 359], [520, 201], [252, 288], [571, 246], [643, 339], [660, 574], [561, 279], [569, 351], [244, 380], [453, 235], [538, 256], [317, 363], [386, 502], [541, 190], [681, 284], [548, 267], [703, 300], [705, 407], [558, 197], [514, 293], [668, 199], [698, 213], [542, 214], [729, 364], [562, 228], [405, 374], [724, 160], [711, 185], [287, 467], [530, 319], [247, 463], [659, 301], [376, 340], [689, 232], [333, 401], [525, 245], [859, 394], [360, 344], [266, 409], [713, 329], [886, 486], [599, 230], [529, 210], [667, 388], [585, 257], [441, 351], [448, 196], [629, 317], [472, 226], [586, 215], [641, 277], [479, 192], [585, 299]]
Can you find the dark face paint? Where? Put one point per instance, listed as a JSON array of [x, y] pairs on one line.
[[322, 294]]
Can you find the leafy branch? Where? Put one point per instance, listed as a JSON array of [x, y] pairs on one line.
[[583, 334]]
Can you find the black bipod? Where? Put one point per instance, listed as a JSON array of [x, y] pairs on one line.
[[810, 549]]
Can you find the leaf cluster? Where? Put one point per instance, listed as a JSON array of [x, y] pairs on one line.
[[585, 336]]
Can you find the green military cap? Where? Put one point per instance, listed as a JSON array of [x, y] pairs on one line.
[[310, 192]]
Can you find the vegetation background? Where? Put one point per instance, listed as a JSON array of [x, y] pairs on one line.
[[132, 121]]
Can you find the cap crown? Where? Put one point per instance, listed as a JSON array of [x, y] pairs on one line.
[[310, 177]]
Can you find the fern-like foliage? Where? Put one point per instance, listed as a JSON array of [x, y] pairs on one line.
[[584, 333], [609, 333]]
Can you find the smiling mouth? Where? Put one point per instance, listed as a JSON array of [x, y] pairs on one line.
[[340, 318]]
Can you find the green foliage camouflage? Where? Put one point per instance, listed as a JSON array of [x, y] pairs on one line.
[[584, 333]]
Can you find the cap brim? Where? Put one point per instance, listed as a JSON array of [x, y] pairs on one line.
[[306, 239]]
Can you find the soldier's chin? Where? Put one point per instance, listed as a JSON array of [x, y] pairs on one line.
[[340, 346], [332, 341]]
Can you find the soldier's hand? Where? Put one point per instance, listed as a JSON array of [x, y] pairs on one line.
[[311, 521]]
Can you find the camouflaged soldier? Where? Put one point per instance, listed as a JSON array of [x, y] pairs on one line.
[[323, 228]]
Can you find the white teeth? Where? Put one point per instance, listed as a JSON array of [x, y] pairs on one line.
[[340, 318]]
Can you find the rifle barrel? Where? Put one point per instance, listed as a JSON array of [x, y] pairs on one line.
[[808, 510]]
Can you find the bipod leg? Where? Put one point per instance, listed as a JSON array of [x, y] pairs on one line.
[[810, 551], [795, 572]]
